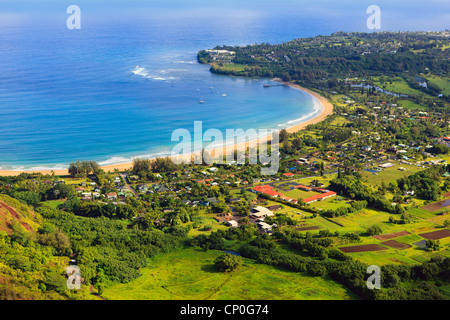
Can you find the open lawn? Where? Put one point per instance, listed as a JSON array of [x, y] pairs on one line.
[[388, 175], [206, 220], [330, 203], [443, 83], [53, 203], [190, 274], [339, 122], [398, 85], [408, 104], [299, 194]]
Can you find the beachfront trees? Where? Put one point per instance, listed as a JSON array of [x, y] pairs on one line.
[[284, 135], [164, 165], [80, 169], [141, 167]]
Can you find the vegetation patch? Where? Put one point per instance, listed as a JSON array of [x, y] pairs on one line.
[[393, 235], [436, 235], [362, 248], [396, 245]]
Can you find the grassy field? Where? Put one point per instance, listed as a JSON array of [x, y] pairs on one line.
[[442, 83], [205, 219], [299, 194], [53, 203], [339, 122], [233, 67], [190, 274], [408, 104], [388, 175], [397, 85]]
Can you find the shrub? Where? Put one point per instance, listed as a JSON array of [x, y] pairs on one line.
[[227, 262]]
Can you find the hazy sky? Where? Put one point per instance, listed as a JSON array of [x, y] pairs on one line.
[[396, 14]]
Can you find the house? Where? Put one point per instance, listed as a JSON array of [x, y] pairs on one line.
[[163, 189], [264, 227], [320, 197], [303, 160], [261, 212], [266, 189], [302, 187], [386, 165], [142, 187], [274, 208], [289, 199], [232, 223], [111, 196], [289, 174], [233, 200], [212, 200], [316, 183], [86, 196]]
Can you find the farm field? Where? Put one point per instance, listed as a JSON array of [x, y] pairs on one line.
[[190, 274], [403, 250]]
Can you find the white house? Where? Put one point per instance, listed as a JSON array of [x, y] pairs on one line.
[[232, 223], [264, 227], [261, 212]]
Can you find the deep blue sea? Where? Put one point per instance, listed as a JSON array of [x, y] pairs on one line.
[[118, 87]]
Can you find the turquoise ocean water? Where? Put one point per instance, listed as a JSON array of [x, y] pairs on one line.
[[120, 86]]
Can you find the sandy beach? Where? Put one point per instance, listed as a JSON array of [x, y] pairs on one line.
[[327, 109]]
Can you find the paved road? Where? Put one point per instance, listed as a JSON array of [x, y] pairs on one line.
[[127, 183]]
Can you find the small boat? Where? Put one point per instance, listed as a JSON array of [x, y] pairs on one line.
[[224, 95], [202, 101]]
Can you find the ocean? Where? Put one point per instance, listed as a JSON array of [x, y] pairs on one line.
[[118, 87]]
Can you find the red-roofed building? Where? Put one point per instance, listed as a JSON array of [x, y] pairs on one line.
[[266, 189], [320, 197], [289, 199], [289, 174], [302, 187]]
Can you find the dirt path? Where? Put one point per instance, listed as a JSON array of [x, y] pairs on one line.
[[91, 289]]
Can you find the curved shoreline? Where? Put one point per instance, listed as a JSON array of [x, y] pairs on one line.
[[327, 109]]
